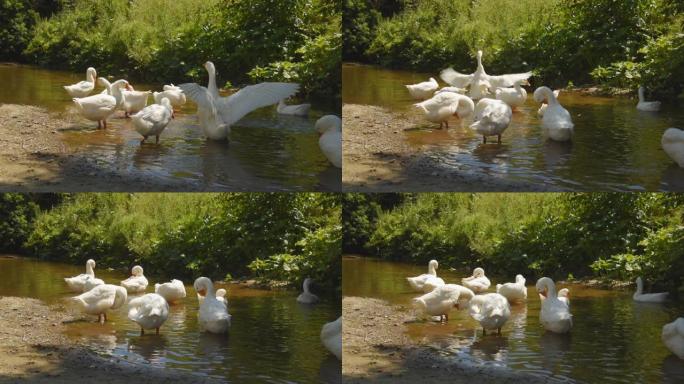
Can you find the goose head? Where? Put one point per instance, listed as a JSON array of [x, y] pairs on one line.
[[519, 279], [166, 103], [564, 292], [478, 272], [91, 74], [639, 284], [543, 94], [137, 271], [105, 83], [328, 123], [307, 283], [209, 66], [546, 287], [204, 286], [90, 265], [432, 267]]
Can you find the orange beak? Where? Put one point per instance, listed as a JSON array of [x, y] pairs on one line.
[[202, 292]]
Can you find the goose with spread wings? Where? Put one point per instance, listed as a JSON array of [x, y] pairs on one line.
[[479, 77], [217, 114]]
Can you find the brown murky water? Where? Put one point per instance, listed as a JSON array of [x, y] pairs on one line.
[[615, 146], [272, 339], [267, 151], [613, 339]]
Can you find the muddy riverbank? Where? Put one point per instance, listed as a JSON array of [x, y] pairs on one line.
[[377, 349], [378, 158], [33, 348]]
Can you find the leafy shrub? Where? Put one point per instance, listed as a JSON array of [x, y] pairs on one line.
[[16, 23], [17, 213]]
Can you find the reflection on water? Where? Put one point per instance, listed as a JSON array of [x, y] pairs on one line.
[[613, 340], [266, 152], [272, 338], [615, 146]]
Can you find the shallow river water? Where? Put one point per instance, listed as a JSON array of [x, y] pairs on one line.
[[613, 339], [272, 339], [615, 146], [267, 151]]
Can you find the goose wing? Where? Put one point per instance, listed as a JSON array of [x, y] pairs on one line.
[[504, 81], [246, 100], [455, 78]]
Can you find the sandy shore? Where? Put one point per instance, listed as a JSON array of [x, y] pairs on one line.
[[33, 158], [33, 348], [377, 349], [377, 158]]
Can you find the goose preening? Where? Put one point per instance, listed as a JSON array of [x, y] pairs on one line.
[[134, 101], [443, 105], [648, 106], [491, 310], [555, 314], [294, 110], [427, 281], [115, 89], [478, 282], [213, 315], [77, 283], [153, 119], [98, 107], [514, 97], [441, 300], [171, 291], [100, 299], [216, 114], [150, 311], [556, 121], [83, 88], [307, 297], [673, 144], [329, 127], [480, 77], [513, 291], [673, 337], [647, 297], [492, 117], [331, 336], [564, 296], [137, 282], [424, 90], [220, 296], [542, 108]]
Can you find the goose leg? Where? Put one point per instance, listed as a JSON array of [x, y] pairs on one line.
[[157, 139], [499, 331], [484, 139], [142, 331], [99, 124], [447, 124], [484, 332], [105, 316], [105, 123], [499, 139], [157, 330], [440, 125]]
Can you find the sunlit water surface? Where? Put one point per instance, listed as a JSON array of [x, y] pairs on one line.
[[615, 147], [613, 339], [272, 339], [266, 151]]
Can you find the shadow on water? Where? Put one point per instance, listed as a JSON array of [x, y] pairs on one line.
[[615, 146], [267, 151], [272, 337], [613, 339]]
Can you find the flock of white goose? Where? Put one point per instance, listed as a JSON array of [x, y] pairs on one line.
[[216, 113], [498, 97], [492, 310], [151, 310]]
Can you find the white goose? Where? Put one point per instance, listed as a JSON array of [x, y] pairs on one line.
[[98, 107], [673, 144], [307, 297], [479, 77], [153, 119], [100, 299], [171, 291], [492, 118], [490, 310], [564, 296], [331, 336], [424, 90], [673, 337], [171, 87], [174, 94], [83, 88], [213, 315], [427, 281], [150, 311], [443, 105], [647, 106], [92, 282], [217, 114], [294, 110], [556, 122], [329, 127], [478, 282], [134, 101], [513, 291], [115, 89], [137, 282], [77, 283], [461, 91], [542, 108], [554, 315], [443, 299], [220, 296], [647, 297], [514, 97]]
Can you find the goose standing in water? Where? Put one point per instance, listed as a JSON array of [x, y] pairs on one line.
[[137, 283], [424, 90], [217, 114], [647, 106], [171, 291], [331, 336], [443, 105], [100, 299], [77, 283], [491, 310], [99, 107], [427, 281], [153, 119], [478, 282], [213, 315], [556, 122], [647, 297], [307, 297], [441, 300], [554, 315], [513, 291], [492, 118], [83, 88], [150, 311]]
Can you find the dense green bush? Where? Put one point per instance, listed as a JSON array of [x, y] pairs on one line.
[[17, 213], [16, 23]]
